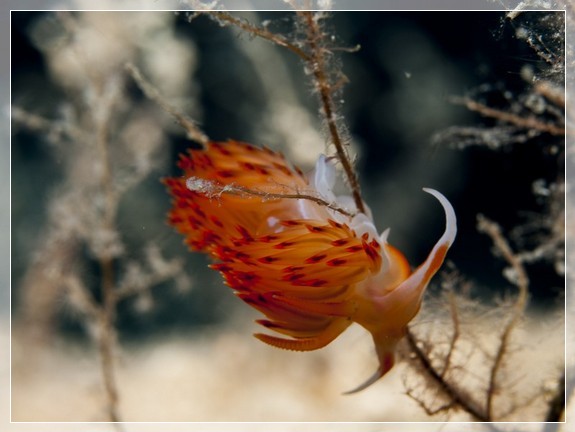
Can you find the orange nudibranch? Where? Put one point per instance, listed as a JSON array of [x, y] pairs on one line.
[[297, 253]]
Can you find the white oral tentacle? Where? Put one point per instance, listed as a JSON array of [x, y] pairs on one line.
[[406, 297], [421, 276]]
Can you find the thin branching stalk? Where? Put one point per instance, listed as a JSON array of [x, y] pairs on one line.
[[458, 396], [522, 282], [551, 92], [152, 93], [55, 131], [456, 332], [318, 65], [107, 334], [214, 190], [263, 33], [107, 340], [530, 123], [103, 315]]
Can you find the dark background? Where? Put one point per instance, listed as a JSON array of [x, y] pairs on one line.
[[401, 80]]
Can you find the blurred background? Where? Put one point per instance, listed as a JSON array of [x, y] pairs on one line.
[[403, 125]]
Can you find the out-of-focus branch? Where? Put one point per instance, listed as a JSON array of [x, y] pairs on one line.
[[552, 93], [456, 395], [454, 336], [521, 280], [107, 316], [54, 131], [151, 92], [530, 123]]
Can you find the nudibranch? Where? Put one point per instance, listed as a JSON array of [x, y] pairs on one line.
[[297, 253]]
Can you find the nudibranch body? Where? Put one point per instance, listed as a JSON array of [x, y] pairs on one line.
[[293, 250]]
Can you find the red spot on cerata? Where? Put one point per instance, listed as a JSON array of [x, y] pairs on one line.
[[261, 170], [336, 262], [292, 277], [335, 224], [314, 283], [224, 268], [216, 221], [282, 168], [289, 223], [244, 233], [315, 229], [225, 173], [268, 238], [353, 249], [315, 258], [185, 163], [268, 259], [370, 251], [175, 220], [291, 269], [221, 149], [284, 245]]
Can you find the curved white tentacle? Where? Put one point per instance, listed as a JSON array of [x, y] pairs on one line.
[[422, 275]]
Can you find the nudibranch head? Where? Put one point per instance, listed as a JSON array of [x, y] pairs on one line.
[[292, 249]]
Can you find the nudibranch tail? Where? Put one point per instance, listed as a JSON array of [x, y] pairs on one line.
[[385, 348], [379, 373], [371, 380]]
